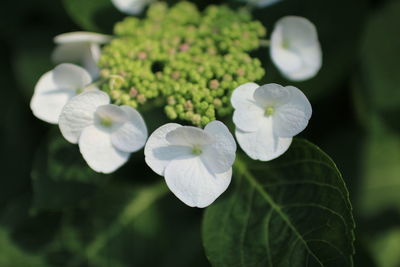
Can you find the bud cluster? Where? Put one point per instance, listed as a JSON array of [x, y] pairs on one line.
[[186, 60]]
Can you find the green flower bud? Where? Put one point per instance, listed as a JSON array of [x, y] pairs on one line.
[[171, 113], [116, 82], [186, 60]]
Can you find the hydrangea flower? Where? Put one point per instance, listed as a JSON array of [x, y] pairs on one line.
[[267, 117], [106, 133], [55, 88], [131, 7], [80, 47], [295, 48], [196, 163]]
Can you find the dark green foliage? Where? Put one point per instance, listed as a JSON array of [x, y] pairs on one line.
[[55, 212], [60, 176], [93, 15], [293, 211]]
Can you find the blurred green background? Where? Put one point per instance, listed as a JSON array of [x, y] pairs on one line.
[[54, 211]]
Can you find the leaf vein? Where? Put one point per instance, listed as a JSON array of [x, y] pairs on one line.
[[243, 169]]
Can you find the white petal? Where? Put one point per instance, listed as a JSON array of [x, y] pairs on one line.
[[109, 117], [243, 95], [248, 113], [131, 136], [312, 63], [82, 37], [191, 181], [248, 118], [159, 152], [71, 53], [90, 59], [189, 136], [262, 145], [87, 54], [219, 156], [131, 7], [292, 118], [79, 112], [271, 95], [48, 100], [70, 76], [98, 151], [288, 62], [295, 48]]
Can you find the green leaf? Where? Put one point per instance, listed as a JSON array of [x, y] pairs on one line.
[[380, 46], [131, 223], [93, 15], [380, 186], [293, 211], [385, 248], [31, 60], [61, 177], [12, 255], [63, 161], [379, 76]]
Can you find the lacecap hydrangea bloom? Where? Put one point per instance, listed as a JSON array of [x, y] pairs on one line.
[[106, 133], [295, 49], [267, 117], [81, 48], [55, 88], [196, 163], [188, 63]]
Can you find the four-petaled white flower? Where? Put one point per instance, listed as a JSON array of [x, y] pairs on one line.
[[55, 88], [196, 163], [267, 117], [131, 7], [295, 48], [81, 48], [106, 133]]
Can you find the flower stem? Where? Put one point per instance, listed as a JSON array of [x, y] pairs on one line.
[[93, 85], [264, 42], [139, 204]]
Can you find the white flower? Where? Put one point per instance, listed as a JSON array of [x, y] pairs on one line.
[[55, 88], [295, 48], [131, 7], [106, 133], [196, 163], [267, 117], [80, 47]]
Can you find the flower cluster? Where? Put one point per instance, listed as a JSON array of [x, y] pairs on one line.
[[189, 60], [195, 64]]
